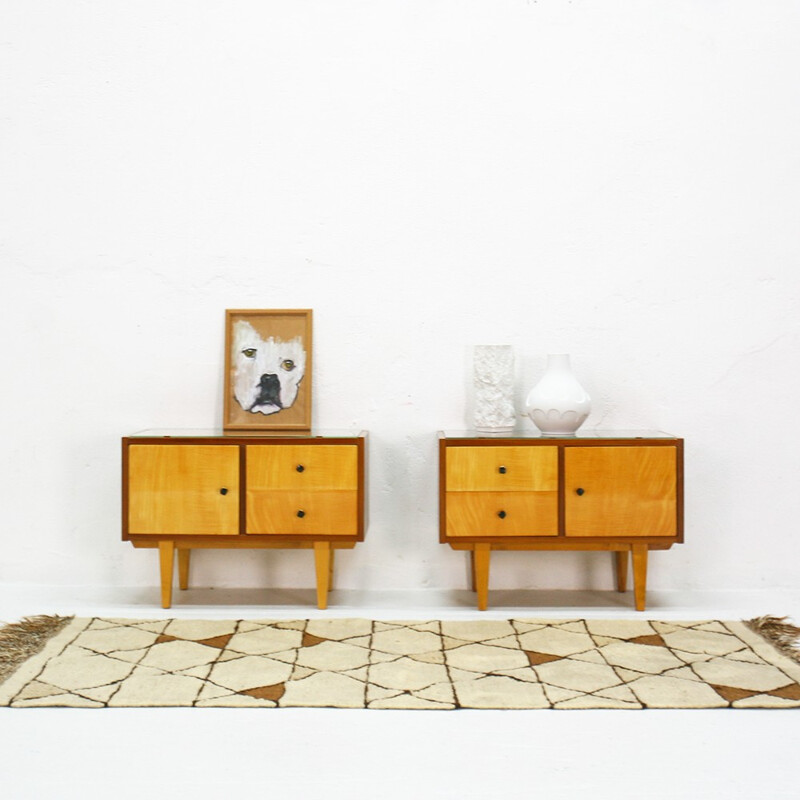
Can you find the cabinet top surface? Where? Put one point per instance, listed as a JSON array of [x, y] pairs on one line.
[[219, 433], [528, 433]]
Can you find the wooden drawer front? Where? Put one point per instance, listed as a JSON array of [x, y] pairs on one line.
[[512, 468], [302, 467], [177, 489], [523, 513], [313, 512], [626, 491]]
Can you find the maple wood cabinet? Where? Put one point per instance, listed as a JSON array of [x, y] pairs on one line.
[[182, 491], [621, 492]]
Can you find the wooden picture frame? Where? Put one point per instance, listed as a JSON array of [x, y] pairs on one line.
[[268, 371]]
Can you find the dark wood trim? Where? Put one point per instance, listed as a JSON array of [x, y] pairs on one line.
[[239, 439], [442, 490], [562, 502], [679, 489], [125, 490], [252, 541], [361, 444], [560, 543], [242, 490], [550, 441]]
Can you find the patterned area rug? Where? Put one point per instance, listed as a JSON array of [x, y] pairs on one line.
[[361, 663]]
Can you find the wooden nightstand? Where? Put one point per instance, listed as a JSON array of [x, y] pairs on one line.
[[186, 490], [615, 491]]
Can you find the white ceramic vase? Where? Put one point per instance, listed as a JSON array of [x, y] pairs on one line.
[[558, 404], [494, 388]]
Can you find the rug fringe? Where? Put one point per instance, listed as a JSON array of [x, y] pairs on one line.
[[21, 640], [778, 632]]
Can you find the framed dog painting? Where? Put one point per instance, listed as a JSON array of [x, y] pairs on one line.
[[267, 370]]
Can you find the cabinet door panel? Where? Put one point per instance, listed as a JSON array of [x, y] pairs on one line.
[[302, 467], [502, 513], [511, 468], [620, 491], [310, 512], [178, 489]]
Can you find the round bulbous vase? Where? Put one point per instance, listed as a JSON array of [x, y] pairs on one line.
[[558, 404]]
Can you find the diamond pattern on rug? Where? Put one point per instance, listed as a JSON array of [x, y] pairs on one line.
[[435, 664]]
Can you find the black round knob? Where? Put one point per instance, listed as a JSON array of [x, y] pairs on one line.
[[502, 470], [301, 513], [223, 491], [501, 514], [579, 491], [300, 468]]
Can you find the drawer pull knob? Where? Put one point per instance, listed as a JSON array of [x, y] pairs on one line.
[[502, 470], [579, 491], [501, 514], [301, 513], [300, 468], [223, 491]]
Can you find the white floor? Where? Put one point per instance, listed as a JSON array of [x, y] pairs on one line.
[[331, 754]]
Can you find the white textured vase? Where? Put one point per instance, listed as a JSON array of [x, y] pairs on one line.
[[558, 404], [494, 388]]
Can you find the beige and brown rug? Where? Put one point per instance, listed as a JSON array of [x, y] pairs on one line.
[[439, 664]]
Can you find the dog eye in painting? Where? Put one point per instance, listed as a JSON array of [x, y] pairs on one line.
[[287, 364], [250, 352]]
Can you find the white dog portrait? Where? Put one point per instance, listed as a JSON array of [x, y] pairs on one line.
[[266, 372]]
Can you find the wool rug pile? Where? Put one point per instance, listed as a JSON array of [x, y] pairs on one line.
[[435, 664]]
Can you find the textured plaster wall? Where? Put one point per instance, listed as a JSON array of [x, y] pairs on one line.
[[616, 180]]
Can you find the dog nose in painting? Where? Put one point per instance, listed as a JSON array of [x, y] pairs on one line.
[[269, 388]]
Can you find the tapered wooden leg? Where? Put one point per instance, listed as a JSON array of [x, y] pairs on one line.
[[322, 562], [330, 570], [183, 567], [472, 584], [481, 556], [621, 559], [166, 558], [639, 553]]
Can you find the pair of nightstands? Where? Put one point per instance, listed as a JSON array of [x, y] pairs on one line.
[[522, 491]]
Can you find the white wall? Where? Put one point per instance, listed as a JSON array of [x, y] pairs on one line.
[[616, 180]]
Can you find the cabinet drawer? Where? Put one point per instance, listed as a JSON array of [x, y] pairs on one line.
[[620, 491], [302, 467], [502, 513], [183, 489], [312, 512], [508, 469]]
